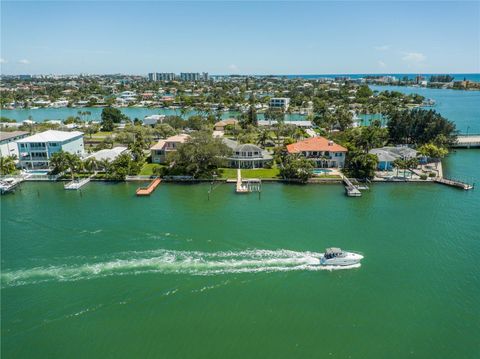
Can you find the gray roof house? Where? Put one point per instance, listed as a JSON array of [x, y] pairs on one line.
[[247, 155]]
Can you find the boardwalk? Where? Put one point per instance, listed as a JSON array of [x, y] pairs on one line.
[[454, 183], [147, 191], [470, 141]]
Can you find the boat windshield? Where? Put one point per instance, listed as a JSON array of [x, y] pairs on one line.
[[333, 254]]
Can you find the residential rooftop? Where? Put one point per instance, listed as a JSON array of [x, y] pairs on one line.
[[51, 136], [315, 144], [8, 135]]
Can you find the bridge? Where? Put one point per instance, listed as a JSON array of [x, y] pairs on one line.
[[467, 141]]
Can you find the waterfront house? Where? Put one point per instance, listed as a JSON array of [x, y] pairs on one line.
[[152, 120], [8, 142], [162, 148], [247, 155], [220, 125], [279, 103], [109, 154], [387, 155], [35, 151], [325, 153]]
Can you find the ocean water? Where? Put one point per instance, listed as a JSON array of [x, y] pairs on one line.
[[103, 274], [457, 77], [461, 107]]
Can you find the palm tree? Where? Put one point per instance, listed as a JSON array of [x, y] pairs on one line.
[[58, 162], [263, 137], [104, 164], [91, 164], [7, 165]]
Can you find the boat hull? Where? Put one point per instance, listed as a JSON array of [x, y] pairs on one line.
[[349, 259]]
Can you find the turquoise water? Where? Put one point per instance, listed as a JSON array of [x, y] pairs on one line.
[[103, 274], [461, 107], [458, 106], [44, 114]]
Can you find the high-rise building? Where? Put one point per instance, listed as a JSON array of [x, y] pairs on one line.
[[189, 76], [152, 76], [165, 76]]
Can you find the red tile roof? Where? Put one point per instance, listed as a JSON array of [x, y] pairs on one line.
[[315, 144]]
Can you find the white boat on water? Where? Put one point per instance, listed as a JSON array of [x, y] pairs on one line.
[[338, 257]]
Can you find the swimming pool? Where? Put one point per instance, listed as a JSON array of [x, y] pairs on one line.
[[38, 172], [321, 171]]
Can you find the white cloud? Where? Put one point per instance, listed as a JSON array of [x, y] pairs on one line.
[[3, 61], [233, 67], [414, 58], [382, 64], [382, 47], [23, 61]]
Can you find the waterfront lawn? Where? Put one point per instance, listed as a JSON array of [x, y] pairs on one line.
[[250, 173], [148, 169]]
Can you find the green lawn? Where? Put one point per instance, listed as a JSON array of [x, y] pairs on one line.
[[254, 173], [148, 168]]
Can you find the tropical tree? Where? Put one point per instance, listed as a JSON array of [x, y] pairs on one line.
[[123, 166], [432, 152], [297, 167], [91, 129], [91, 164], [110, 117], [7, 165], [421, 126], [199, 157], [63, 161], [359, 164], [163, 130], [263, 137]]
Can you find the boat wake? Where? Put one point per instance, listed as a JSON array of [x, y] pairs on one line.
[[171, 262]]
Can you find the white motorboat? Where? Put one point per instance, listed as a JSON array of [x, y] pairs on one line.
[[338, 257]]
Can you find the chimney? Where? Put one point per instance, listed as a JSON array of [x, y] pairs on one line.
[[330, 143]]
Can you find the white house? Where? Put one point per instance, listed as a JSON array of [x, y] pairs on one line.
[[280, 103], [8, 142], [153, 120], [35, 151]]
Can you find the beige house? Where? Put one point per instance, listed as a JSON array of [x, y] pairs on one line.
[[161, 149], [220, 125]]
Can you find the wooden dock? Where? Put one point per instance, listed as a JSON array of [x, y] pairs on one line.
[[455, 183], [147, 191]]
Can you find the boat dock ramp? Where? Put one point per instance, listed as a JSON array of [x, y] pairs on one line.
[[147, 191], [247, 185], [77, 184], [352, 188]]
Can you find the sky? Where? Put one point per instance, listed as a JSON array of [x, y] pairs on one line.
[[227, 37]]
